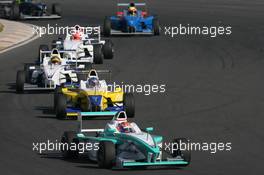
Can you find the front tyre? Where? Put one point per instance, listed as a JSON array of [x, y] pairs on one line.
[[156, 27], [69, 138], [107, 27], [129, 104], [20, 81], [108, 49], [184, 154], [106, 154], [56, 9], [98, 54]]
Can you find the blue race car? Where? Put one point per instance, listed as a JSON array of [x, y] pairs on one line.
[[29, 9], [131, 19]]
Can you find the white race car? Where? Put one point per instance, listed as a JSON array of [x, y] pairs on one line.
[[53, 71], [86, 49]]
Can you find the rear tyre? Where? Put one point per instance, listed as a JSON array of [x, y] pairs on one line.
[[20, 81], [54, 44], [69, 138], [57, 91], [107, 27], [60, 105], [184, 154], [108, 49], [131, 29], [106, 154], [98, 54], [81, 77], [56, 9], [129, 104], [156, 27]]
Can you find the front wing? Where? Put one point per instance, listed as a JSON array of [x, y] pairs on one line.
[[157, 163], [40, 17], [118, 32], [74, 112]]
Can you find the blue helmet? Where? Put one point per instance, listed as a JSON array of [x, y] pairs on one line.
[[93, 82]]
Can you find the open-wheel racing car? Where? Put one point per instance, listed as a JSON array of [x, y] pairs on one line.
[[88, 48], [28, 9], [131, 19], [51, 72], [92, 95], [122, 144]]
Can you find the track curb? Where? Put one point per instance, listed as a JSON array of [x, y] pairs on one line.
[[19, 35]]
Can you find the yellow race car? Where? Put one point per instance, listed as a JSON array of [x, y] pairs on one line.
[[92, 95]]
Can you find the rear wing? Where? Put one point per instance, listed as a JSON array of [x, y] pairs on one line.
[[98, 71], [122, 8], [101, 74], [48, 53], [71, 62], [127, 4], [7, 2], [92, 114], [4, 5]]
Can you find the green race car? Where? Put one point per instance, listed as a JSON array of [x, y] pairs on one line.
[[122, 144]]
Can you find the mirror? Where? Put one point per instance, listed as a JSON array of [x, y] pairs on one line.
[[149, 129]]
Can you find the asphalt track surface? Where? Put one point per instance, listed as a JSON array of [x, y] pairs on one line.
[[214, 89]]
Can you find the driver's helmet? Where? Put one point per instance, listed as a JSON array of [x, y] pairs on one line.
[[77, 33], [92, 82], [132, 10], [55, 60], [77, 36], [124, 127]]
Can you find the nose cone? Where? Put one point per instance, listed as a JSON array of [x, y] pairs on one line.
[[132, 23]]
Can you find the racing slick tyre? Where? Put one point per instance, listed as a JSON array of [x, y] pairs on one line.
[[61, 105], [57, 44], [106, 154], [20, 80], [184, 154], [56, 9], [69, 138], [81, 76], [15, 13], [57, 91], [108, 49], [131, 29], [28, 69], [107, 27], [54, 44], [42, 47], [129, 104], [98, 54], [156, 27]]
